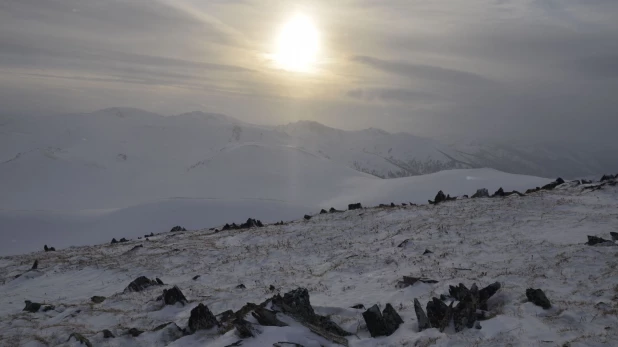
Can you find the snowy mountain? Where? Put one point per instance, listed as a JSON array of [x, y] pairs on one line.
[[353, 258]]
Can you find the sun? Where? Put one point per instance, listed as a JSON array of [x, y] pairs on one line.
[[297, 45]]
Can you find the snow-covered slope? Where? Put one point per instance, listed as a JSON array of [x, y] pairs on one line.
[[343, 259]]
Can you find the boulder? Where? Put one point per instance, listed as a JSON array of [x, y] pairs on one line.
[[436, 312], [607, 178], [391, 318], [499, 193], [244, 329], [241, 286], [307, 217], [427, 252], [48, 249], [195, 277], [486, 293], [177, 228], [323, 211], [355, 206], [135, 332], [34, 307], [537, 297], [267, 317], [201, 319], [375, 322], [421, 317], [358, 307], [614, 235], [107, 334], [97, 299], [141, 283], [599, 241], [35, 265], [481, 193], [174, 295], [464, 314]]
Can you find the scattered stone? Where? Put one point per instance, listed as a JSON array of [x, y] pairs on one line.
[[174, 295], [35, 265], [307, 217], [80, 338], [201, 319], [427, 252], [355, 206], [537, 297], [108, 334], [409, 280], [97, 299], [404, 243], [481, 193], [241, 286], [142, 283], [196, 277], [135, 332], [32, 306], [272, 288], [440, 197], [323, 211], [421, 316], [599, 241], [359, 306], [177, 228]]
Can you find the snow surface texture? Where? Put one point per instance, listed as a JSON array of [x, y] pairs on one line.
[[343, 259]]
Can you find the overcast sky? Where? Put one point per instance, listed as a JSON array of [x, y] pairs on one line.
[[516, 68]]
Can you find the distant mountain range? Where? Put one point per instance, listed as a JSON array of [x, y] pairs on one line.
[[121, 156]]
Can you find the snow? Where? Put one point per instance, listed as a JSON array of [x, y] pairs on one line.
[[343, 259]]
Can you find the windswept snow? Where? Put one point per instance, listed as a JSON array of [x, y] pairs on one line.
[[343, 259]]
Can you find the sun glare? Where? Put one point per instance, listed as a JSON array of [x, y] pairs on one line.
[[297, 45]]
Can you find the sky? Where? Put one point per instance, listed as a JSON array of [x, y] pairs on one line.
[[512, 69]]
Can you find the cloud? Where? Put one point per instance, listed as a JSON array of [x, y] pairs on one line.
[[390, 94]]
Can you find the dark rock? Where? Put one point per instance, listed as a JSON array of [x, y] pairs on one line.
[[296, 303], [225, 316], [140, 284], [599, 241], [481, 193], [586, 181], [46, 248], [409, 280], [499, 192], [421, 317], [404, 243], [272, 288], [80, 338], [323, 211], [537, 297], [201, 319], [392, 204], [135, 332], [241, 286], [235, 344], [333, 210], [136, 247], [614, 235], [464, 314], [159, 282], [244, 329], [391, 319], [97, 299], [35, 265], [267, 317], [375, 322], [32, 306], [174, 295], [440, 197], [359, 306], [123, 240], [465, 196], [559, 180], [355, 206], [607, 178], [307, 217], [259, 223], [226, 227], [427, 252], [486, 293], [449, 198], [458, 293], [532, 190], [404, 204], [108, 334], [177, 228], [287, 344], [196, 277], [436, 312]]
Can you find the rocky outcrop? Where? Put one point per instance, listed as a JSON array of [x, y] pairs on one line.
[[481, 193], [173, 296], [34, 307], [97, 299], [177, 228], [142, 283], [201, 319], [440, 197], [599, 241], [421, 316], [355, 206]]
